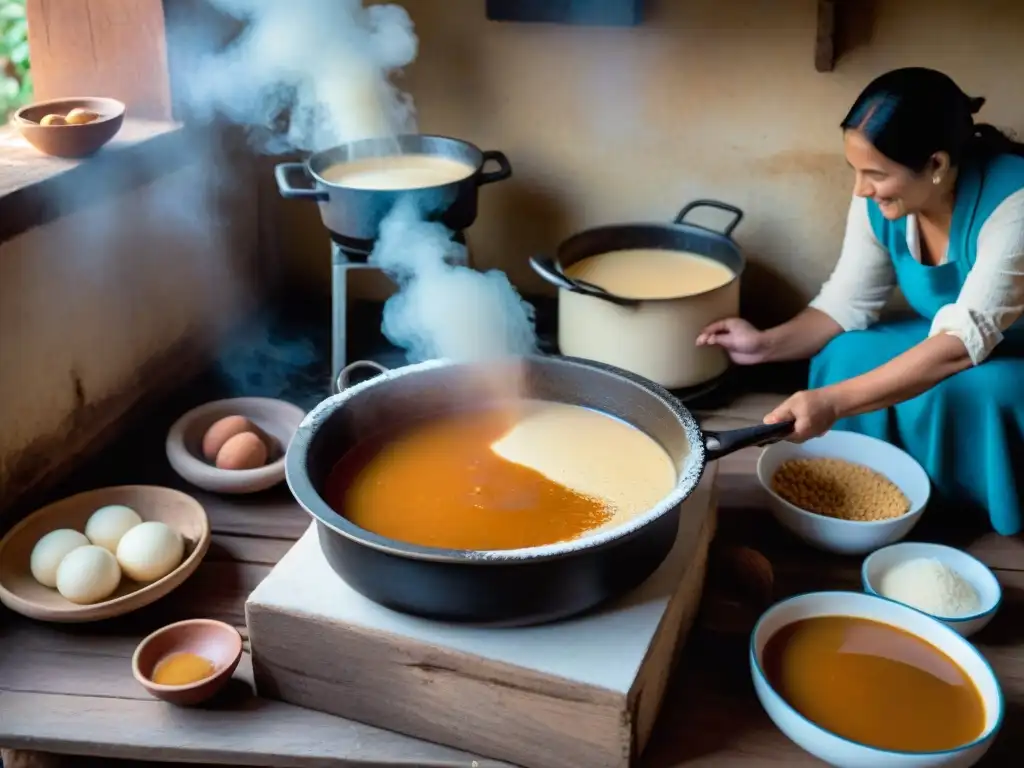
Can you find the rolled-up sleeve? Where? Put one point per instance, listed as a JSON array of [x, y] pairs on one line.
[[992, 297], [863, 278]]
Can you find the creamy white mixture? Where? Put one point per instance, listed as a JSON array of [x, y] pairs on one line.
[[395, 172], [592, 454], [651, 273]]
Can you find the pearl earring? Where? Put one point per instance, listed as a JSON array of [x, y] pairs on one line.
[[936, 179]]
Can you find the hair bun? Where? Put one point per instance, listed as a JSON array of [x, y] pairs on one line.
[[975, 104]]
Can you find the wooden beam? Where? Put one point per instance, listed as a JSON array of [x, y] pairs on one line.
[[825, 39], [114, 48]]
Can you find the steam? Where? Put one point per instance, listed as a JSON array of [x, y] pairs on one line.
[[322, 66], [443, 309], [314, 74]]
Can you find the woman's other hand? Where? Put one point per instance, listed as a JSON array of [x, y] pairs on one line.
[[812, 412], [744, 344]]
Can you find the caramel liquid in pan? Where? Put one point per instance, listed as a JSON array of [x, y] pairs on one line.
[[523, 475], [393, 172], [651, 273], [874, 684]]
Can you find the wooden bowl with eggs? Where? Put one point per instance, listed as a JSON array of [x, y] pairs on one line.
[[233, 446], [71, 127], [102, 553]]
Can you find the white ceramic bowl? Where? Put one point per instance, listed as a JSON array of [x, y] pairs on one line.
[[847, 537], [276, 418], [973, 570], [843, 753]]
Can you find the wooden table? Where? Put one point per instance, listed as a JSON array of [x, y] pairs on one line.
[[70, 689]]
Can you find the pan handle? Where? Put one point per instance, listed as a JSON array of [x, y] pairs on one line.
[[552, 272], [344, 380], [719, 444], [283, 173], [727, 231], [502, 172]]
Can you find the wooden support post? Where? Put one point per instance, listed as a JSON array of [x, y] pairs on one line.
[[825, 39], [101, 48]]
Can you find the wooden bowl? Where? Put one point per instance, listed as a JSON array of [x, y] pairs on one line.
[[71, 141], [277, 420], [215, 641], [20, 592]]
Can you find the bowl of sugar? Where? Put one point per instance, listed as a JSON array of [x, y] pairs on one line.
[[944, 582]]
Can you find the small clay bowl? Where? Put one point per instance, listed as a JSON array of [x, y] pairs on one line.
[[215, 641], [70, 141], [276, 419], [20, 592]]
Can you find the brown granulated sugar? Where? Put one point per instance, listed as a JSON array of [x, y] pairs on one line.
[[840, 489]]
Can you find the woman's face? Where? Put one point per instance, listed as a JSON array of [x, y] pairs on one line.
[[896, 189]]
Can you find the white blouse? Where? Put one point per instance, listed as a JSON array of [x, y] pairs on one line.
[[990, 300]]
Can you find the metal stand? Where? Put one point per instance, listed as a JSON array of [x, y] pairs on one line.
[[342, 262]]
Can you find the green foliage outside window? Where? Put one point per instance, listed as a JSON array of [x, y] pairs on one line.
[[15, 73]]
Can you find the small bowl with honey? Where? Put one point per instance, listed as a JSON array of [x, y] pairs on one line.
[[73, 128], [188, 662]]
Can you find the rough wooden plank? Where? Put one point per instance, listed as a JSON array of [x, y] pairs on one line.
[[247, 549], [250, 732], [585, 691]]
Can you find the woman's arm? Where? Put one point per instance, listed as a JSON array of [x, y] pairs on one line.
[[800, 338], [905, 376], [962, 334]]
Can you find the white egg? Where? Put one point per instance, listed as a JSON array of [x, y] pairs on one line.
[[150, 551], [50, 550], [108, 524], [88, 574]]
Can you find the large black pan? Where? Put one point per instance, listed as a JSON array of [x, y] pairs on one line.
[[515, 587]]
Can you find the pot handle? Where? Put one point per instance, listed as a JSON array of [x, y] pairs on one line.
[[344, 380], [736, 212], [552, 272], [719, 444], [503, 171], [283, 173]]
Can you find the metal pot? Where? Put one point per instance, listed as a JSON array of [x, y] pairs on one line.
[[355, 214], [655, 338], [513, 587]]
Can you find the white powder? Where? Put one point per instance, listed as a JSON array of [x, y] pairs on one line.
[[930, 586]]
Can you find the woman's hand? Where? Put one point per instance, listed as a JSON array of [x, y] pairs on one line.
[[812, 411], [744, 344]]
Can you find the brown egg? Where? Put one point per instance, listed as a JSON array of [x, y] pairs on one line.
[[221, 431], [53, 120], [79, 116], [243, 451]]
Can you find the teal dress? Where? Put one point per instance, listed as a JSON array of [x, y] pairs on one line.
[[967, 431]]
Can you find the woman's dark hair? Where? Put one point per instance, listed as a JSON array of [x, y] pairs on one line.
[[910, 114]]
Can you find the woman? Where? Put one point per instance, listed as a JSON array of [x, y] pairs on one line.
[[938, 210]]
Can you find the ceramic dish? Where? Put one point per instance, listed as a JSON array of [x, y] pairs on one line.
[[215, 641], [20, 592], [70, 141], [843, 753], [276, 418], [970, 568], [848, 537]]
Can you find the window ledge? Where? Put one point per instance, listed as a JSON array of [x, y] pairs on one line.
[[36, 189]]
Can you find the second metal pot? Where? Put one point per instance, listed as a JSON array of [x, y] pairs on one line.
[[655, 338], [355, 214]]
